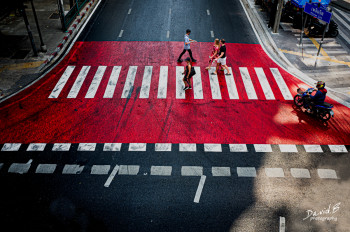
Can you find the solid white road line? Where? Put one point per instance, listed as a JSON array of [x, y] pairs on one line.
[[199, 189], [248, 84], [62, 82], [46, 168], [313, 148], [162, 147], [111, 176], [95, 82], [238, 148], [163, 82], [36, 147], [112, 146], [61, 147], [274, 172], [180, 93], [72, 169], [264, 84], [11, 147], [212, 147], [263, 148], [338, 148], [231, 85], [281, 84], [100, 169], [288, 148], [300, 173], [246, 172], [87, 147], [327, 173], [197, 84], [129, 169], [191, 171], [146, 82], [167, 34], [214, 84], [187, 147], [161, 170], [282, 224], [221, 171], [212, 34], [112, 83], [208, 12], [129, 82], [73, 93], [129, 12], [137, 146], [19, 168], [120, 33]]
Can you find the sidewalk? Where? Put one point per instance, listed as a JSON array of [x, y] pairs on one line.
[[18, 66], [333, 64]]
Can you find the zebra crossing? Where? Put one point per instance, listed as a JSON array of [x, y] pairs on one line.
[[165, 83]]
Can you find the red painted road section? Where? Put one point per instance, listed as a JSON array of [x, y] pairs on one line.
[[31, 116]]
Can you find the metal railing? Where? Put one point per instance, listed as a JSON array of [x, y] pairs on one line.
[[73, 12]]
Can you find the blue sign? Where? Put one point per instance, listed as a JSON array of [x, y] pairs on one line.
[[301, 3], [321, 13]]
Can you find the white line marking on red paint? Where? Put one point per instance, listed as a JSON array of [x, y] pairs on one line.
[[95, 82], [246, 172], [327, 173], [211, 147], [62, 82], [112, 147], [146, 82], [46, 168], [197, 84], [338, 148], [300, 173], [191, 171], [231, 85], [281, 84], [163, 82], [214, 84], [36, 147], [161, 170], [162, 147], [313, 148], [61, 147], [238, 148], [274, 172], [129, 82], [199, 189], [78, 82], [120, 33], [111, 176], [221, 171], [248, 84], [288, 148], [188, 147], [264, 84], [112, 83], [180, 92], [11, 147]]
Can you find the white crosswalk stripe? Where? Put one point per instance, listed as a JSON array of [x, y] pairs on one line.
[[163, 82], [112, 83], [247, 81], [78, 82], [95, 82], [62, 82], [214, 84], [146, 82], [129, 82]]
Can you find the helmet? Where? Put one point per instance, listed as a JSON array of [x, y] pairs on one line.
[[320, 84]]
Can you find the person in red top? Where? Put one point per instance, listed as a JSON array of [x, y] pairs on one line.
[[215, 53]]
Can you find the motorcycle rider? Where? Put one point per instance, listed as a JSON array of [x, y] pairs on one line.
[[319, 97]]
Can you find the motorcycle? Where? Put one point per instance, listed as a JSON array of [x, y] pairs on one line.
[[316, 29], [322, 111]]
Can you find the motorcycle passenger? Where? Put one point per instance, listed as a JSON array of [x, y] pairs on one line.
[[319, 97]]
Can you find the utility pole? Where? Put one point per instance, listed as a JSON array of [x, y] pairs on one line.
[[42, 45], [23, 13], [278, 16]]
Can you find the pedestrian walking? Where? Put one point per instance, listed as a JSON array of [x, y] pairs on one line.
[[187, 46], [189, 73], [215, 53], [222, 58]]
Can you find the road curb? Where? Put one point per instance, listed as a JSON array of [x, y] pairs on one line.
[[271, 49]]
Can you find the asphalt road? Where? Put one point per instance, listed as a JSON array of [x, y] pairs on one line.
[[171, 190]]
